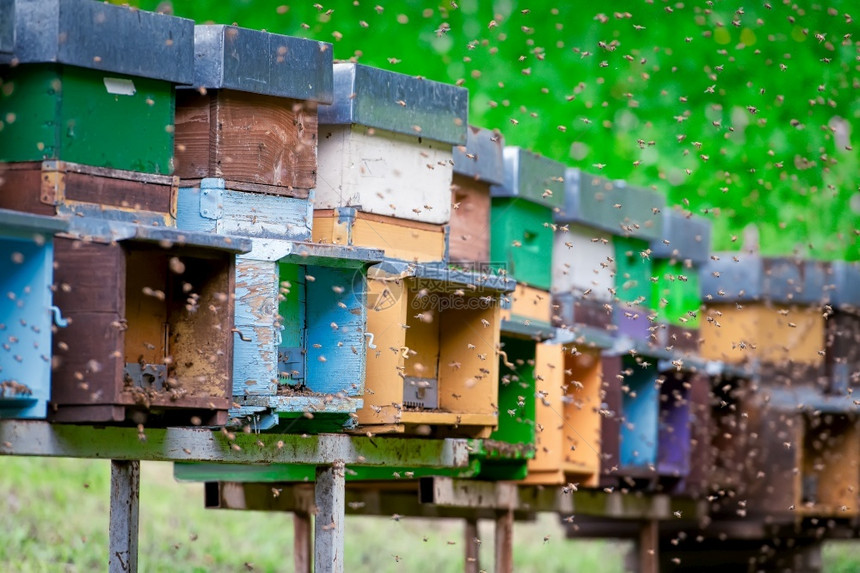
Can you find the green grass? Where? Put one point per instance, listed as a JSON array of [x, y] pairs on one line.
[[55, 518]]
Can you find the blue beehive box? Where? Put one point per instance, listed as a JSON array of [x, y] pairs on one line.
[[301, 309], [26, 274]]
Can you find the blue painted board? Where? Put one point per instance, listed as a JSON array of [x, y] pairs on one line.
[[640, 405], [26, 273], [336, 322], [214, 209], [674, 446], [255, 354]]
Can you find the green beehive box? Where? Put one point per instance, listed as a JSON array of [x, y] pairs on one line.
[[93, 83], [66, 113], [676, 294], [633, 271], [521, 240]]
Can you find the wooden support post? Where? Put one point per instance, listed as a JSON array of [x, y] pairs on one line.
[[473, 547], [649, 538], [330, 500], [124, 512], [505, 541], [302, 542]]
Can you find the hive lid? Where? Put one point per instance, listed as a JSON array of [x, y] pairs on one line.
[[27, 222], [396, 102], [482, 157], [750, 277], [229, 57], [101, 36], [532, 177], [7, 26], [684, 238], [611, 205]]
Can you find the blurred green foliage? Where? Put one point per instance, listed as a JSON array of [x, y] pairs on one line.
[[745, 114]]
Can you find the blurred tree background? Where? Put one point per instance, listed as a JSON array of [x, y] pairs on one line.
[[743, 114]]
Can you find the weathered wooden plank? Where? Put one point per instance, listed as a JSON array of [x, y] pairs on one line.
[[371, 169], [470, 221], [255, 350], [649, 547], [35, 438], [330, 520], [504, 547], [124, 515], [472, 546], [247, 137], [213, 206], [303, 542]]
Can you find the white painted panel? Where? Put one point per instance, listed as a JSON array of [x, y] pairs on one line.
[[580, 262], [384, 173]]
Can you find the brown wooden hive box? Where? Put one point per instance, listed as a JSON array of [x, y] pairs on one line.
[[59, 187], [150, 332]]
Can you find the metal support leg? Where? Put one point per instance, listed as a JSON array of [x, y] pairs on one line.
[[473, 547], [330, 499], [124, 512], [505, 542], [303, 542], [649, 539]]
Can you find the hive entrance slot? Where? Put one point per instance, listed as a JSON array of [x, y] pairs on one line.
[[420, 393]]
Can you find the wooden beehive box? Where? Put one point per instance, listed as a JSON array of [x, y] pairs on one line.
[[385, 144], [676, 290], [801, 464], [150, 317], [26, 313], [601, 268], [410, 241], [73, 190], [211, 207], [93, 84], [302, 312], [769, 311], [477, 166], [843, 329], [435, 369], [251, 116], [570, 388], [521, 235]]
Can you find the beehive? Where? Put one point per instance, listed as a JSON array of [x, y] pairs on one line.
[[251, 116], [84, 68], [435, 368], [477, 166], [568, 415], [150, 324], [843, 329], [26, 313], [767, 311], [386, 133], [521, 216], [302, 309], [676, 291]]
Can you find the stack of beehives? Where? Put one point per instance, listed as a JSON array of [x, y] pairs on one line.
[[381, 237]]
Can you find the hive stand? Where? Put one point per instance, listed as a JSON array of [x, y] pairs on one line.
[[82, 68], [521, 231], [27, 312], [150, 324], [126, 446], [477, 166], [676, 291]]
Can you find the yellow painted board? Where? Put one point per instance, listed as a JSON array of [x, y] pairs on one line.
[[529, 303], [772, 334], [400, 239], [448, 418]]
